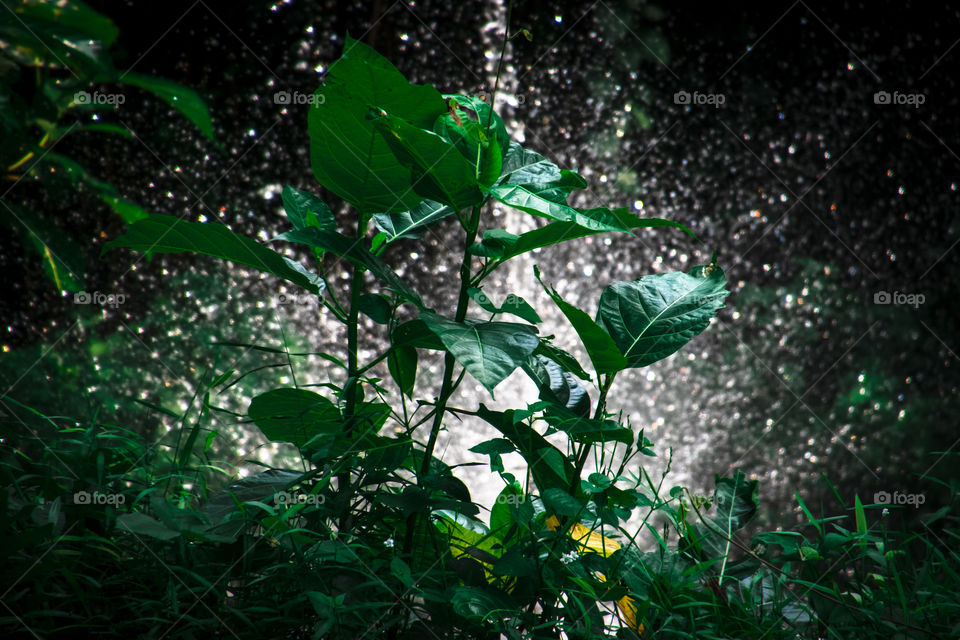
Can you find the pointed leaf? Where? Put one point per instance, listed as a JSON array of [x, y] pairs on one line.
[[185, 100], [603, 352], [436, 169], [307, 210], [412, 223], [167, 234], [653, 317], [489, 351], [348, 155], [294, 415]]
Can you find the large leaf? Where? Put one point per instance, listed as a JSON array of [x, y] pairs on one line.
[[735, 503], [584, 429], [294, 415], [412, 223], [653, 317], [523, 166], [348, 155], [514, 305], [185, 100], [490, 351], [307, 210], [436, 169], [354, 251], [58, 34], [557, 385], [166, 234], [465, 125], [498, 243], [549, 467], [603, 352], [541, 202]]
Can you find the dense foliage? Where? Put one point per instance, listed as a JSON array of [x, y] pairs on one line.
[[373, 535]]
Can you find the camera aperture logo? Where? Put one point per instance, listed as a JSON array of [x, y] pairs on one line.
[[899, 498], [97, 498], [103, 299], [715, 100], [298, 97], [899, 297], [908, 99], [96, 98]]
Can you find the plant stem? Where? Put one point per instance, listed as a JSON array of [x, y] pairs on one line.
[[449, 362], [584, 451], [352, 384]]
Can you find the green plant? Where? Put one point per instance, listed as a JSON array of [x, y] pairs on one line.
[[52, 56], [374, 534], [404, 156]]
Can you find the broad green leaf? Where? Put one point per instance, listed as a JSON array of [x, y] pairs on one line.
[[562, 503], [523, 166], [187, 101], [489, 351], [566, 361], [498, 243], [735, 503], [416, 334], [548, 465], [486, 115], [534, 202], [557, 385], [603, 352], [166, 234], [510, 501], [143, 525], [654, 316], [402, 364], [466, 130], [376, 307], [584, 429], [355, 252], [348, 155], [294, 415], [412, 223], [436, 169], [72, 19], [129, 211], [514, 305], [494, 445], [307, 210], [480, 605], [57, 35]]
